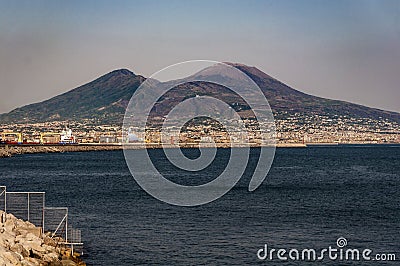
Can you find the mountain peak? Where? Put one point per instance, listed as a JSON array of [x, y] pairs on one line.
[[236, 64], [251, 71], [117, 75], [122, 71]]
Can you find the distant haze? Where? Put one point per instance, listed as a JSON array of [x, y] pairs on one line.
[[347, 50]]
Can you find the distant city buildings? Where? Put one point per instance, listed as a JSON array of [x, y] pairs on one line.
[[290, 129]]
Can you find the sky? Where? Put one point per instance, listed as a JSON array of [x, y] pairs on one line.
[[346, 50]]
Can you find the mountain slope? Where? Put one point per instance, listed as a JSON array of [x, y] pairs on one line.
[[104, 100], [283, 98]]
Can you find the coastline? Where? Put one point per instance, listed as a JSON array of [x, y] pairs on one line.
[[11, 150]]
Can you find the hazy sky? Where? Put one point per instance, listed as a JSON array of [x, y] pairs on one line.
[[348, 50]]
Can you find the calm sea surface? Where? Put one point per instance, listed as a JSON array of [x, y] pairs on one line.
[[311, 197]]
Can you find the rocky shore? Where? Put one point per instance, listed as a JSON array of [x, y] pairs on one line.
[[21, 243]]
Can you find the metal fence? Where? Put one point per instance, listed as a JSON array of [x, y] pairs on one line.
[[57, 222], [30, 206], [74, 235]]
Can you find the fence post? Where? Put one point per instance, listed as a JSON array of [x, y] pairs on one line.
[[28, 206], [3, 190], [66, 228], [5, 199], [44, 199]]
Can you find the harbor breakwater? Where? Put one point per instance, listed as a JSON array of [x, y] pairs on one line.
[[22, 243], [10, 150]]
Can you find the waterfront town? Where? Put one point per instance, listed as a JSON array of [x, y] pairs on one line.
[[290, 129]]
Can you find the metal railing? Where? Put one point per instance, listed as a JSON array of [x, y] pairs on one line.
[[30, 206]]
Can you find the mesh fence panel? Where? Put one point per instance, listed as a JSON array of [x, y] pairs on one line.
[[56, 221], [17, 205], [36, 205], [27, 206], [74, 235]]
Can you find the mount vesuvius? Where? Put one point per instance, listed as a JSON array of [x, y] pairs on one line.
[[103, 101]]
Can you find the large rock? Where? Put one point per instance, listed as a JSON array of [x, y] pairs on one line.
[[68, 263], [50, 257], [12, 257], [20, 249], [31, 262]]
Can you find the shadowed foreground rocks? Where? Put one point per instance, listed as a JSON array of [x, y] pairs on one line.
[[22, 243]]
